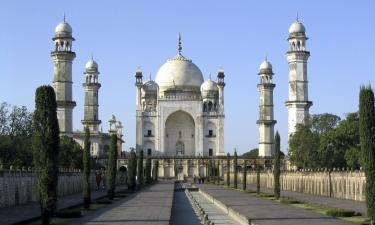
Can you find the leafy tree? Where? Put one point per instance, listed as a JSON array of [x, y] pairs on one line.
[[235, 169], [86, 170], [140, 168], [253, 153], [132, 168], [45, 147], [228, 169], [148, 170], [15, 136], [244, 174], [276, 164], [322, 123], [367, 140], [71, 153], [112, 167], [303, 147]]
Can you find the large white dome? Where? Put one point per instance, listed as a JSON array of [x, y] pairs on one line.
[[179, 72]]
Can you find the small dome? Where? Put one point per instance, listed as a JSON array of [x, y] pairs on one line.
[[150, 86], [209, 85], [296, 27], [265, 65], [63, 29], [91, 64], [179, 72]]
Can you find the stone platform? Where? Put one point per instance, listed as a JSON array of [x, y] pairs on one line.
[[258, 211]]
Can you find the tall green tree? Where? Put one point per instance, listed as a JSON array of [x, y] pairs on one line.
[[132, 168], [86, 169], [235, 167], [228, 170], [244, 174], [45, 147], [367, 140], [218, 172], [155, 172], [276, 164], [257, 167], [148, 170], [140, 169], [112, 167]]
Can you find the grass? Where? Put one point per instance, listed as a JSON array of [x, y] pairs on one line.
[[336, 212]]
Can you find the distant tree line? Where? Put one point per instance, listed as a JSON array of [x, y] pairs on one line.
[[16, 137]]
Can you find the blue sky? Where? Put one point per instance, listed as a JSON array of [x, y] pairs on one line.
[[235, 35]]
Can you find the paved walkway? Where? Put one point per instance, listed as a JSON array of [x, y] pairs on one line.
[[266, 212], [151, 206], [19, 213], [319, 200]]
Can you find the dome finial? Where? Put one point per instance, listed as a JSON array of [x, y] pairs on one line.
[[297, 17], [64, 17], [179, 43], [150, 76], [209, 76], [265, 58]]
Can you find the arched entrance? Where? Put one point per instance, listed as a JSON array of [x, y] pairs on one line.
[[179, 134]]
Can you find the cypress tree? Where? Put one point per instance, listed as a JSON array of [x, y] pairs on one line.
[[155, 170], [86, 169], [218, 172], [45, 147], [140, 169], [235, 169], [112, 167], [367, 141], [228, 169], [276, 165], [244, 174], [258, 177], [148, 170], [132, 164]]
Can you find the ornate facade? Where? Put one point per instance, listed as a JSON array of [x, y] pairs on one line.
[[180, 114]]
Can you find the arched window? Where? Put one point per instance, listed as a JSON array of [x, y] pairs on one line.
[[299, 45], [209, 106]]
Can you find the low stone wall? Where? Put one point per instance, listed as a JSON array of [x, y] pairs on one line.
[[19, 187], [335, 184]]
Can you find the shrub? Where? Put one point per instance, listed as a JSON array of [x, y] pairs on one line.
[[337, 212]]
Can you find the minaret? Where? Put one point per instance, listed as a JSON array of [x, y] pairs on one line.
[[139, 84], [62, 80], [220, 112], [91, 88], [266, 120], [298, 103]]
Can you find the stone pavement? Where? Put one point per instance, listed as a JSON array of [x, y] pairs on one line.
[[150, 206], [260, 211], [19, 213], [319, 200]]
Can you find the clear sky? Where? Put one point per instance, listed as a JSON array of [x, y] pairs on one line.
[[235, 35]]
